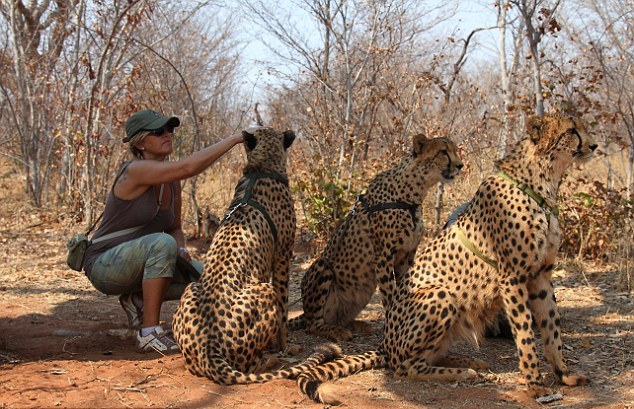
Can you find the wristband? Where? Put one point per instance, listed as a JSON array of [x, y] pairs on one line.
[[183, 249]]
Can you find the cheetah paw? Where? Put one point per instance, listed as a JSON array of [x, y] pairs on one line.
[[572, 379], [537, 390]]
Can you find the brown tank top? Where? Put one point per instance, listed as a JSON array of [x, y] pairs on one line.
[[122, 214]]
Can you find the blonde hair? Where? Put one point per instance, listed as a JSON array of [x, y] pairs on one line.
[[138, 137]]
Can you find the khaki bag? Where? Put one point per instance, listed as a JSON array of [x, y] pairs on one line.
[[77, 246]]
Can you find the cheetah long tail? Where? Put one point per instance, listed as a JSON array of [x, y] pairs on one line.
[[312, 382], [224, 374], [297, 323]]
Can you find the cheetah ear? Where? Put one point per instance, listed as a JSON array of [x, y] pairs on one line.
[[289, 137], [534, 127], [540, 132], [419, 141], [249, 140]]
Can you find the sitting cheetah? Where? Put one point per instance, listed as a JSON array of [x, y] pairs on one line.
[[379, 236], [499, 253], [225, 321]]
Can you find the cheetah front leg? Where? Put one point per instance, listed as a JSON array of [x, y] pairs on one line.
[[317, 292], [250, 328], [385, 274], [544, 306], [404, 260], [515, 297], [281, 269]]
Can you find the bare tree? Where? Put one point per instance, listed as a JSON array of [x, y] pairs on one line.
[[609, 32], [538, 18], [111, 43], [446, 86], [37, 31], [77, 68], [508, 69], [347, 78]]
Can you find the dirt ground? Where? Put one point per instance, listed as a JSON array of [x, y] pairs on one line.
[[63, 344]]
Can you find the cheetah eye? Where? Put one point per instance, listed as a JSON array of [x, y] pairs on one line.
[[573, 133]]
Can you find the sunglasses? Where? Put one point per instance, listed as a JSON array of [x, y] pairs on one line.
[[161, 131]]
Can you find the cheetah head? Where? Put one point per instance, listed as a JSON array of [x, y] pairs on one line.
[[562, 138], [266, 150], [441, 153]]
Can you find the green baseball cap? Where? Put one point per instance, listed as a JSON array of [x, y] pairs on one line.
[[147, 120]]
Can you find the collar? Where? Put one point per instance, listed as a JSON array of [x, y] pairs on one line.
[[532, 194], [411, 207]]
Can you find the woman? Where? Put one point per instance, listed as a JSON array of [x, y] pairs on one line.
[[141, 233]]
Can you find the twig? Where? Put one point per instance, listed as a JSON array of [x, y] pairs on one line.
[[583, 273], [549, 398], [282, 405], [157, 350], [54, 371], [227, 396], [126, 389], [122, 400], [94, 373], [147, 379]]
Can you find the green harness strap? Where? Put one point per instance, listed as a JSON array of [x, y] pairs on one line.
[[524, 188], [246, 200], [461, 236], [532, 194]]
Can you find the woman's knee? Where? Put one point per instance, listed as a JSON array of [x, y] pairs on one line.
[[161, 260], [162, 242]]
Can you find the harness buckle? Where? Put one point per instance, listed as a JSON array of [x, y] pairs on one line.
[[233, 209]]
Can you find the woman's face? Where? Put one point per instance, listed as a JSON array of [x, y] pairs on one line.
[[157, 144]]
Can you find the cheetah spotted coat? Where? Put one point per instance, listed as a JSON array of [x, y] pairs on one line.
[[375, 243], [451, 293], [238, 309]]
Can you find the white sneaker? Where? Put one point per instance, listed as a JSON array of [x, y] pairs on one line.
[[157, 340]]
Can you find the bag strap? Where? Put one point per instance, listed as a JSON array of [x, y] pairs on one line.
[[116, 234], [131, 229]]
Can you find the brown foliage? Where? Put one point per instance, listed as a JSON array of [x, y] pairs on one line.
[[596, 222]]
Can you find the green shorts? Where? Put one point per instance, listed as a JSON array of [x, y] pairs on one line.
[[122, 269]]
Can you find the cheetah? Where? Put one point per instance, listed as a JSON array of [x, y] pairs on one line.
[[498, 254], [379, 236], [238, 308]]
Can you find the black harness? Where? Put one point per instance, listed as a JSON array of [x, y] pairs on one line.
[[251, 179], [411, 207]]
